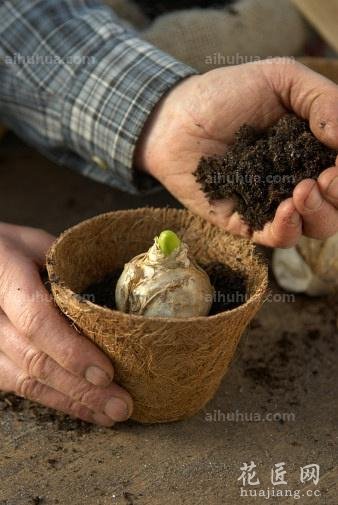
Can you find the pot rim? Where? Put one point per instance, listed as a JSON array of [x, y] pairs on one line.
[[259, 291]]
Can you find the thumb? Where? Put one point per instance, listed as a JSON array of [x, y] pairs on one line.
[[311, 96]]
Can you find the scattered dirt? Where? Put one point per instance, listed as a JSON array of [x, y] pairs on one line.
[[261, 168], [154, 9], [41, 415], [283, 367], [270, 372], [229, 285]]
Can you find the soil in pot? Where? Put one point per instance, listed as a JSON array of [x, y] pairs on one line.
[[229, 286], [261, 168]]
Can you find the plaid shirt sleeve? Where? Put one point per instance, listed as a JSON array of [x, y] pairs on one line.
[[78, 83]]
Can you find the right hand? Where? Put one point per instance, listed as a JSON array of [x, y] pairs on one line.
[[42, 357], [199, 117]]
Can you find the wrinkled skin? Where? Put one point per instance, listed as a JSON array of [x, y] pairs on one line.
[[199, 117], [41, 356]]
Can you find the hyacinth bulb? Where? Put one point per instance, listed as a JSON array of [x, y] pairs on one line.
[[165, 281]]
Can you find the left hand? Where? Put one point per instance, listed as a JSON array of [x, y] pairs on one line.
[[42, 357]]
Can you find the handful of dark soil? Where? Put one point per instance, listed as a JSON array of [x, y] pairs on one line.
[[261, 168]]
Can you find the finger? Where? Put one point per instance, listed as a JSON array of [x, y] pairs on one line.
[[14, 380], [220, 211], [285, 229], [237, 226], [309, 95], [232, 223], [34, 241], [38, 241], [320, 218], [328, 185], [112, 400], [31, 310], [222, 214]]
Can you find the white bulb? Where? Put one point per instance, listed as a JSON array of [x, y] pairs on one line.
[[155, 285], [309, 268]]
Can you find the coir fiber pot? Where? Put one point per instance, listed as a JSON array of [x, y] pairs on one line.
[[171, 367]]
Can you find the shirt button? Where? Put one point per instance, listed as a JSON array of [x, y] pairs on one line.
[[100, 162]]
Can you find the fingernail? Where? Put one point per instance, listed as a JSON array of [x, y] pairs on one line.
[[103, 420], [314, 200], [294, 219], [332, 189], [117, 409], [97, 376]]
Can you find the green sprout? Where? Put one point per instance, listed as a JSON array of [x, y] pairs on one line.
[[168, 241]]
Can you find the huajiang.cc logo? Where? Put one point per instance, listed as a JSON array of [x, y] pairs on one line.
[[251, 484]]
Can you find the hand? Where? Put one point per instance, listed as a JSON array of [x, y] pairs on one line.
[[41, 357], [199, 117]]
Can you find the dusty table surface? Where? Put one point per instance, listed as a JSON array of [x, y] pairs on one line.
[[285, 366]]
